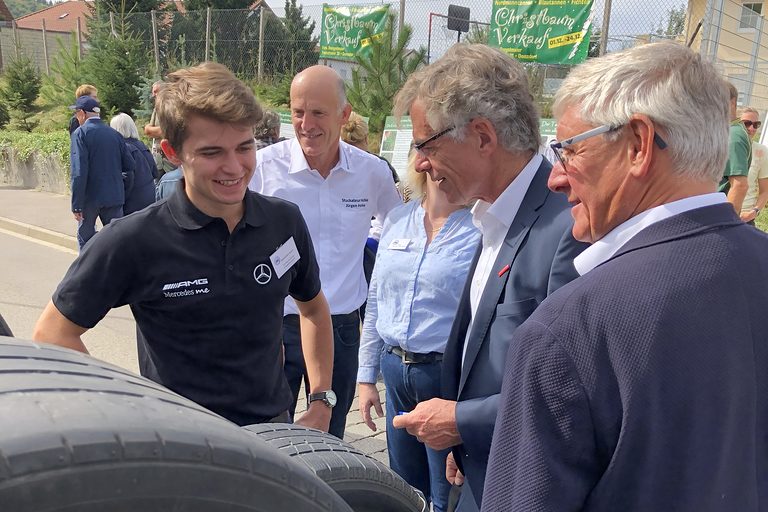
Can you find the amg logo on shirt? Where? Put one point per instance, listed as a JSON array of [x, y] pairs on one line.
[[185, 284]]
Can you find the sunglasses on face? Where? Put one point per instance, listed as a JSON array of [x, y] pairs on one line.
[[750, 124]]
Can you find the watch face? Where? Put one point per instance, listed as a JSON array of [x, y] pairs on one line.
[[330, 397]]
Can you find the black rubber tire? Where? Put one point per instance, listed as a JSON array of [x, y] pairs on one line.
[[4, 329], [366, 484], [80, 435]]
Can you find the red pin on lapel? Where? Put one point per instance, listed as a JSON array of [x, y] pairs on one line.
[[504, 270]]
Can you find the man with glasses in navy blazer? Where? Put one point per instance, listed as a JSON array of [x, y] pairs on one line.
[[641, 386], [476, 133]]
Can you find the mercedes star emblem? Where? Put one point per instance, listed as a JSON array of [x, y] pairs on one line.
[[262, 273]]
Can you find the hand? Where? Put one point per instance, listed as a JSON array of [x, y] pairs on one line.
[[78, 216], [317, 416], [748, 215], [369, 397], [452, 473], [432, 422]]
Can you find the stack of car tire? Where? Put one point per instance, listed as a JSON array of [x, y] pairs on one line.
[[78, 434]]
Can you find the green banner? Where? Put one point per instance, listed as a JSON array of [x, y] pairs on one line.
[[344, 29], [544, 31]]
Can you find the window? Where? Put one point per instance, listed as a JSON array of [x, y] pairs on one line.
[[750, 12]]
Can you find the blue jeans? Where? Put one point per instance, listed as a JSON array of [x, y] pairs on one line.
[[346, 343], [86, 228], [421, 467]]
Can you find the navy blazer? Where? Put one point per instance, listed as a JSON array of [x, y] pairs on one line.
[[539, 248], [643, 385], [99, 160]]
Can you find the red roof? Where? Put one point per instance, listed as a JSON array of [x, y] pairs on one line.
[[5, 13], [61, 17]]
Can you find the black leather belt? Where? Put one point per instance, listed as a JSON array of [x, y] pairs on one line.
[[413, 357]]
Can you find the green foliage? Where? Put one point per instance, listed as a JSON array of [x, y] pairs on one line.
[[674, 25], [117, 63], [5, 116], [288, 43], [382, 72], [478, 34], [275, 91], [21, 7], [20, 88], [762, 222], [67, 73], [54, 144]]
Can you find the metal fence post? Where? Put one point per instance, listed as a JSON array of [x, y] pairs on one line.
[[262, 12], [207, 32], [45, 50], [155, 43], [112, 23], [606, 27], [79, 40], [15, 39], [753, 61], [401, 18]]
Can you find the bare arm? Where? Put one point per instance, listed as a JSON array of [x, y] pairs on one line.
[[762, 199], [53, 327], [152, 131], [317, 345], [737, 192]]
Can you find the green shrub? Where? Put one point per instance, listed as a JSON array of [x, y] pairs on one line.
[[55, 144], [21, 86]]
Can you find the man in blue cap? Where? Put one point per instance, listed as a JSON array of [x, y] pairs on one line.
[[99, 163]]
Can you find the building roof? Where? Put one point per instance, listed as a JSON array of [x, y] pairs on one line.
[[5, 13], [61, 17]]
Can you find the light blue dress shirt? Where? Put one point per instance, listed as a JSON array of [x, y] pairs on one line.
[[415, 288]]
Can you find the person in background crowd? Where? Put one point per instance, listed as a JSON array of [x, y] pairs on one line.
[[139, 192], [476, 135], [338, 189], [206, 272], [100, 165], [426, 249], [83, 90], [734, 182], [268, 130], [155, 132], [757, 193], [168, 183], [641, 385]]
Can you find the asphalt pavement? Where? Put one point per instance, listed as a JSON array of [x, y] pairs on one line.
[[46, 219]]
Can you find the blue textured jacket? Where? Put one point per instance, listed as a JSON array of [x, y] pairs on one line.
[[99, 160]]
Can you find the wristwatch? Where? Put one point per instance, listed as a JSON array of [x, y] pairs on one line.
[[756, 210], [327, 397]]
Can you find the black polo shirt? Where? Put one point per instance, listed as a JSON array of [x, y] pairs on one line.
[[208, 303]]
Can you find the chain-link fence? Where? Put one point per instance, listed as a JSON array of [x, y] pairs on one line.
[[268, 42]]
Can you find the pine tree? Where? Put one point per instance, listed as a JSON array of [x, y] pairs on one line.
[[67, 72], [20, 88], [382, 72]]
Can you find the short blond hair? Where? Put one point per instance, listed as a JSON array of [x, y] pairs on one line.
[[86, 90], [355, 130], [208, 90]]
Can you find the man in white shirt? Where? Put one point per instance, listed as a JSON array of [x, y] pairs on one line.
[[641, 385], [338, 189], [476, 133]]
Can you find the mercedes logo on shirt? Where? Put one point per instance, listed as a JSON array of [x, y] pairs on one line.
[[262, 273]]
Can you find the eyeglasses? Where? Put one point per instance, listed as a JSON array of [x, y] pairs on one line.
[[558, 147], [750, 124], [419, 147]]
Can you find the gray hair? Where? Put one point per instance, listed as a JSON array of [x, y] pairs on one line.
[[474, 80], [685, 97], [125, 126]]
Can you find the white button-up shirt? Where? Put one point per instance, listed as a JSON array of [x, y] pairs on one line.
[[337, 209], [602, 250], [494, 220]]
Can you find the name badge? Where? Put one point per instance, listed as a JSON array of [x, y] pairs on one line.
[[399, 244], [284, 257]]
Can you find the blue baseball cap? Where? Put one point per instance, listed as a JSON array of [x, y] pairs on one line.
[[86, 104]]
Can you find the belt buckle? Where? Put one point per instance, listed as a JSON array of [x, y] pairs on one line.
[[408, 360]]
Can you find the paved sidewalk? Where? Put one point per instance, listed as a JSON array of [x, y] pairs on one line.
[[47, 217]]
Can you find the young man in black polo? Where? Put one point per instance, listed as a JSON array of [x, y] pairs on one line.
[[206, 271]]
